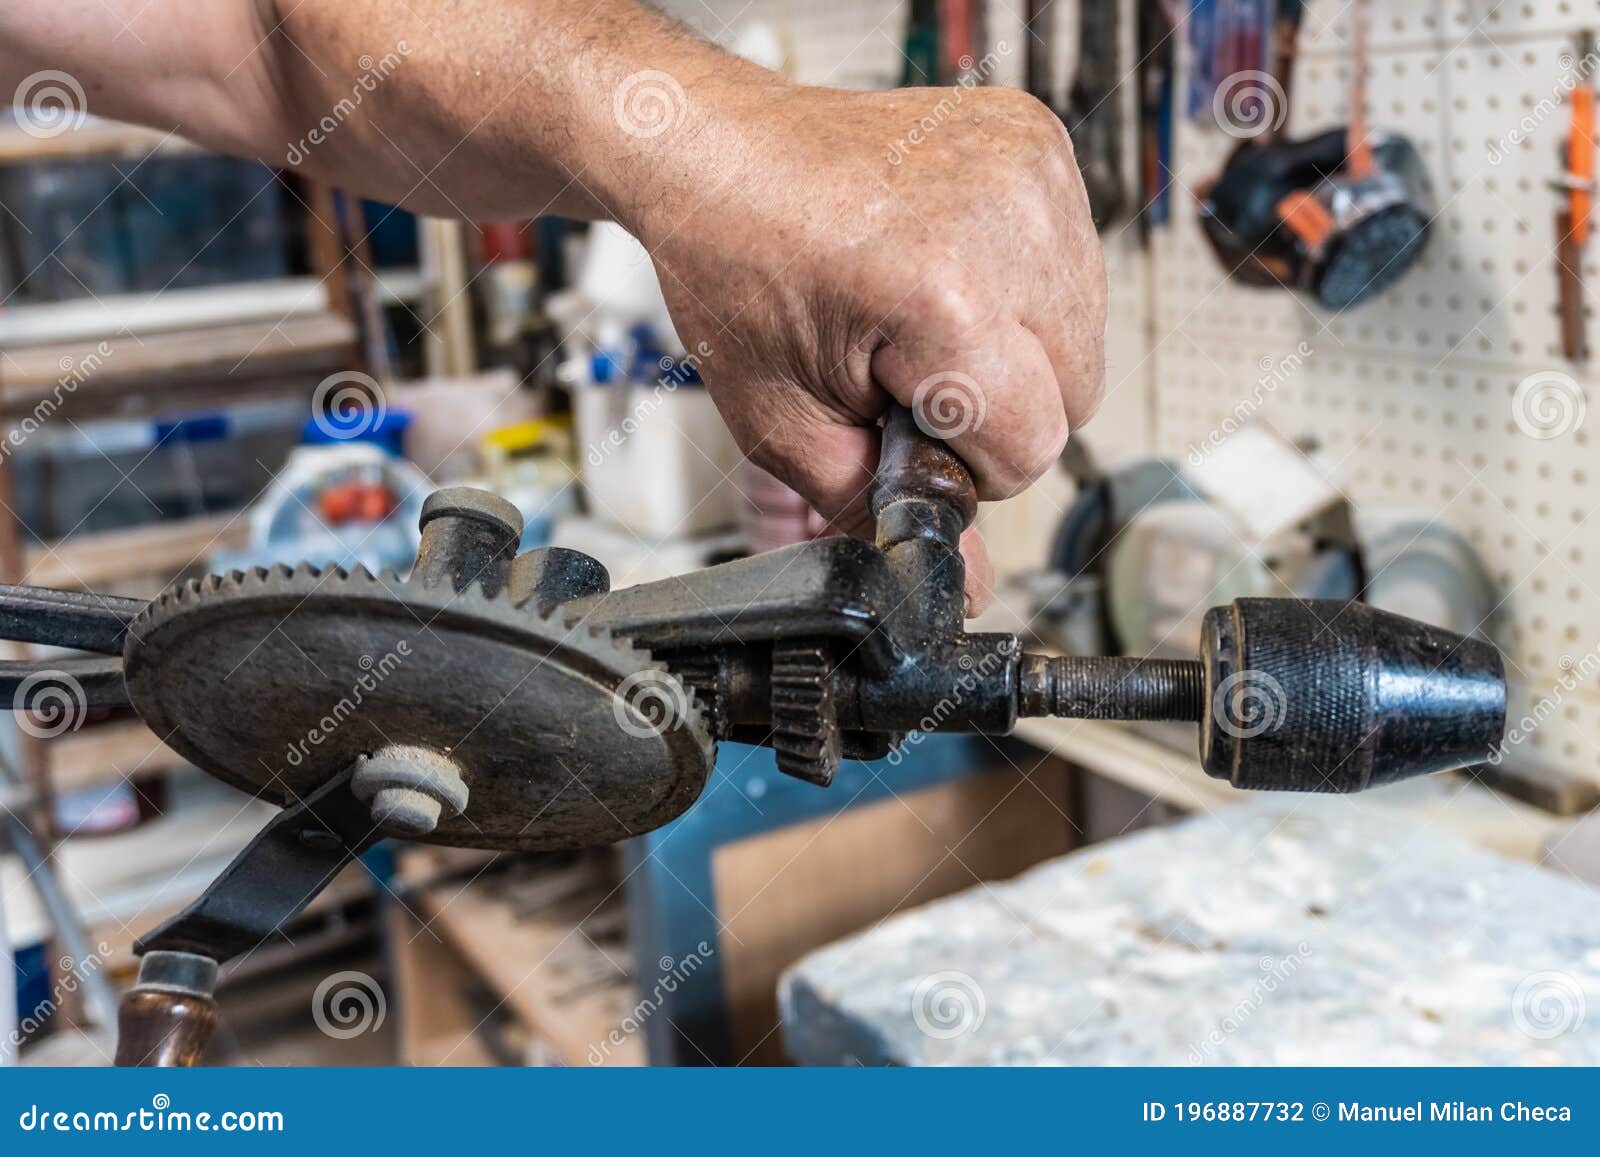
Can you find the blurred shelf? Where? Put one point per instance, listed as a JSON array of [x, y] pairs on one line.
[[554, 980], [104, 754], [157, 551], [126, 314], [399, 286], [172, 369], [1452, 802], [94, 139]]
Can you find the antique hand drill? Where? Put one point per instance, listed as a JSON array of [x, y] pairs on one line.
[[516, 702]]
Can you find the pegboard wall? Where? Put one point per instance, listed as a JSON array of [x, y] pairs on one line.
[[1410, 395]]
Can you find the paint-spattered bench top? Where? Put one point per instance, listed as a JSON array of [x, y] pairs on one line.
[[1289, 931]]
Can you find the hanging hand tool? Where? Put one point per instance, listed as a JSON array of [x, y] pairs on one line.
[[1093, 114], [1577, 187], [1340, 215], [515, 702]]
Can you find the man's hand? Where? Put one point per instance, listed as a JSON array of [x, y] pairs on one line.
[[838, 249], [831, 249]]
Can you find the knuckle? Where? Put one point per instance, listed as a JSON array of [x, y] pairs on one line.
[[1025, 459], [947, 302]]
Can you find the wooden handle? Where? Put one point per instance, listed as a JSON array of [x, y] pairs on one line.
[[916, 465], [167, 1018]]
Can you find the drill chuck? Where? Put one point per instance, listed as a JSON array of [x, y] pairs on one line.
[[1298, 695]]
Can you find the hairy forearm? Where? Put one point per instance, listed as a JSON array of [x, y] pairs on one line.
[[479, 110]]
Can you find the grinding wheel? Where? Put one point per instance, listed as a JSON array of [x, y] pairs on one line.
[[275, 681]]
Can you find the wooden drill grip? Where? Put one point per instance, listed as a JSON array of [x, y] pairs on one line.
[[914, 464], [166, 1020]]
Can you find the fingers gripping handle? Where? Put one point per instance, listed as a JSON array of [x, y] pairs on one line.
[[916, 467], [923, 497]]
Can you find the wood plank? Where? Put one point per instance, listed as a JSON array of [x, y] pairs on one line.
[[92, 561], [96, 138], [1451, 801], [87, 320], [783, 893], [39, 380], [519, 958], [438, 1024]]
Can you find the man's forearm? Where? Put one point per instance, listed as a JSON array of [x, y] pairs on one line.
[[483, 111]]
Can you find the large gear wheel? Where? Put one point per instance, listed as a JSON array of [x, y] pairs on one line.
[[276, 680]]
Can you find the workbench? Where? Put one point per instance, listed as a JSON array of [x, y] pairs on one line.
[[1292, 931]]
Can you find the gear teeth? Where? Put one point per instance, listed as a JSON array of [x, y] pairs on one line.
[[308, 580], [701, 673], [804, 721]]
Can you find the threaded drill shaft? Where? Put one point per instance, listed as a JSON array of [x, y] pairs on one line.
[[1112, 687]]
